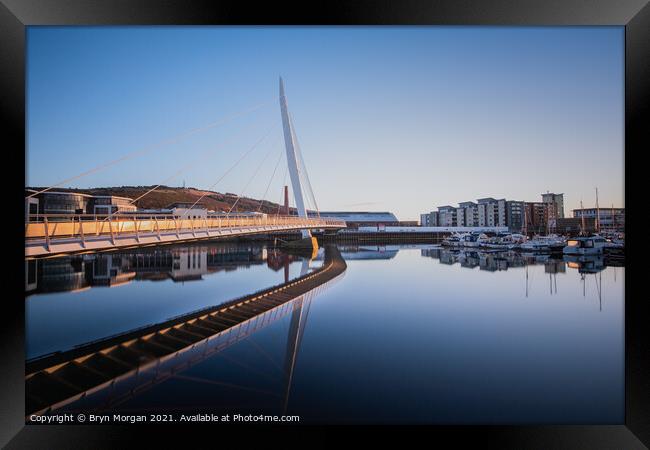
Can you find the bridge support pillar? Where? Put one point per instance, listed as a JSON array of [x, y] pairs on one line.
[[307, 245]]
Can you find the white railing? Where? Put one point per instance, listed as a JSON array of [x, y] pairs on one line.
[[82, 226]]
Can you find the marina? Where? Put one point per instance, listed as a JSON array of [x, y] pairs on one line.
[[580, 245]]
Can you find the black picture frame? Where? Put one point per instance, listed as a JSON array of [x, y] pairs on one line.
[[15, 15]]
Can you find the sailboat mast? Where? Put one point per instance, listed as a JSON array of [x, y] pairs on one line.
[[597, 214], [582, 226], [525, 219], [548, 217]]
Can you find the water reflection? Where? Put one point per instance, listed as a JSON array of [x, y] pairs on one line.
[[414, 333], [366, 252], [67, 305], [178, 264], [492, 261], [105, 372]]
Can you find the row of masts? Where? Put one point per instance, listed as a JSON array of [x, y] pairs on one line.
[[582, 215], [597, 218]]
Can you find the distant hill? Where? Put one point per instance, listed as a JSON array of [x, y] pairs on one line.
[[164, 195]]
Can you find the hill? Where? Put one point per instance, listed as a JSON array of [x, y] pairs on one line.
[[164, 195]]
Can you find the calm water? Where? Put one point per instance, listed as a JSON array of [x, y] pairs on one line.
[[408, 334]]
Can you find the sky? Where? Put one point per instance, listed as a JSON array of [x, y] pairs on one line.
[[400, 119]]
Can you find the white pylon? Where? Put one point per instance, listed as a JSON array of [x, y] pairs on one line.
[[292, 160]]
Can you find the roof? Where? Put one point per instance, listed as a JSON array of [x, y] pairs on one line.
[[360, 216], [602, 208], [112, 196], [186, 205], [32, 191]]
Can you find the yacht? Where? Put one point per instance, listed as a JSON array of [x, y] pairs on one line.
[[615, 245], [585, 264], [513, 241], [492, 242], [614, 241], [473, 239], [452, 241], [585, 245], [535, 245], [547, 243]]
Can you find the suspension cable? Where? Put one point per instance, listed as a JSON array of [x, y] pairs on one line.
[[249, 181], [227, 172], [302, 167], [206, 153], [149, 148], [270, 180]]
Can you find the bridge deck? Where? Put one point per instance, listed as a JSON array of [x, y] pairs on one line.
[[47, 235], [60, 378]]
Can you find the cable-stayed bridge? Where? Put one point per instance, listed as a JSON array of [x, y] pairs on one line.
[[54, 234]]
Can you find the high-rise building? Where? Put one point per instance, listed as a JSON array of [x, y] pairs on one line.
[[515, 215], [470, 213], [556, 205], [424, 220], [429, 219], [446, 216], [491, 212], [536, 217]]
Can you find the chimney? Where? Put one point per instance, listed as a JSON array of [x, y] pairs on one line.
[[286, 201]]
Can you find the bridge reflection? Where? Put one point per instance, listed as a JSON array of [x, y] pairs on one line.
[[366, 252], [178, 264], [111, 370]]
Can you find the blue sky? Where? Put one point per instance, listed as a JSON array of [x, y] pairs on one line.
[[388, 118]]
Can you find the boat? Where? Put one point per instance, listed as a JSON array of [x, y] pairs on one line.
[[494, 243], [472, 240], [614, 241], [556, 242], [535, 245], [547, 243], [513, 241], [453, 240], [502, 241], [585, 245], [585, 263]]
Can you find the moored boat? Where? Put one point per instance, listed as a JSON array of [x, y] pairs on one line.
[[585, 245], [549, 243]]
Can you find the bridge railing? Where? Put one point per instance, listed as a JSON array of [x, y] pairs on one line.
[[87, 225]]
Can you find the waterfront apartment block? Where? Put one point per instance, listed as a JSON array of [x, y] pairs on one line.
[[430, 219], [555, 204], [536, 217], [517, 215], [446, 216], [491, 212]]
